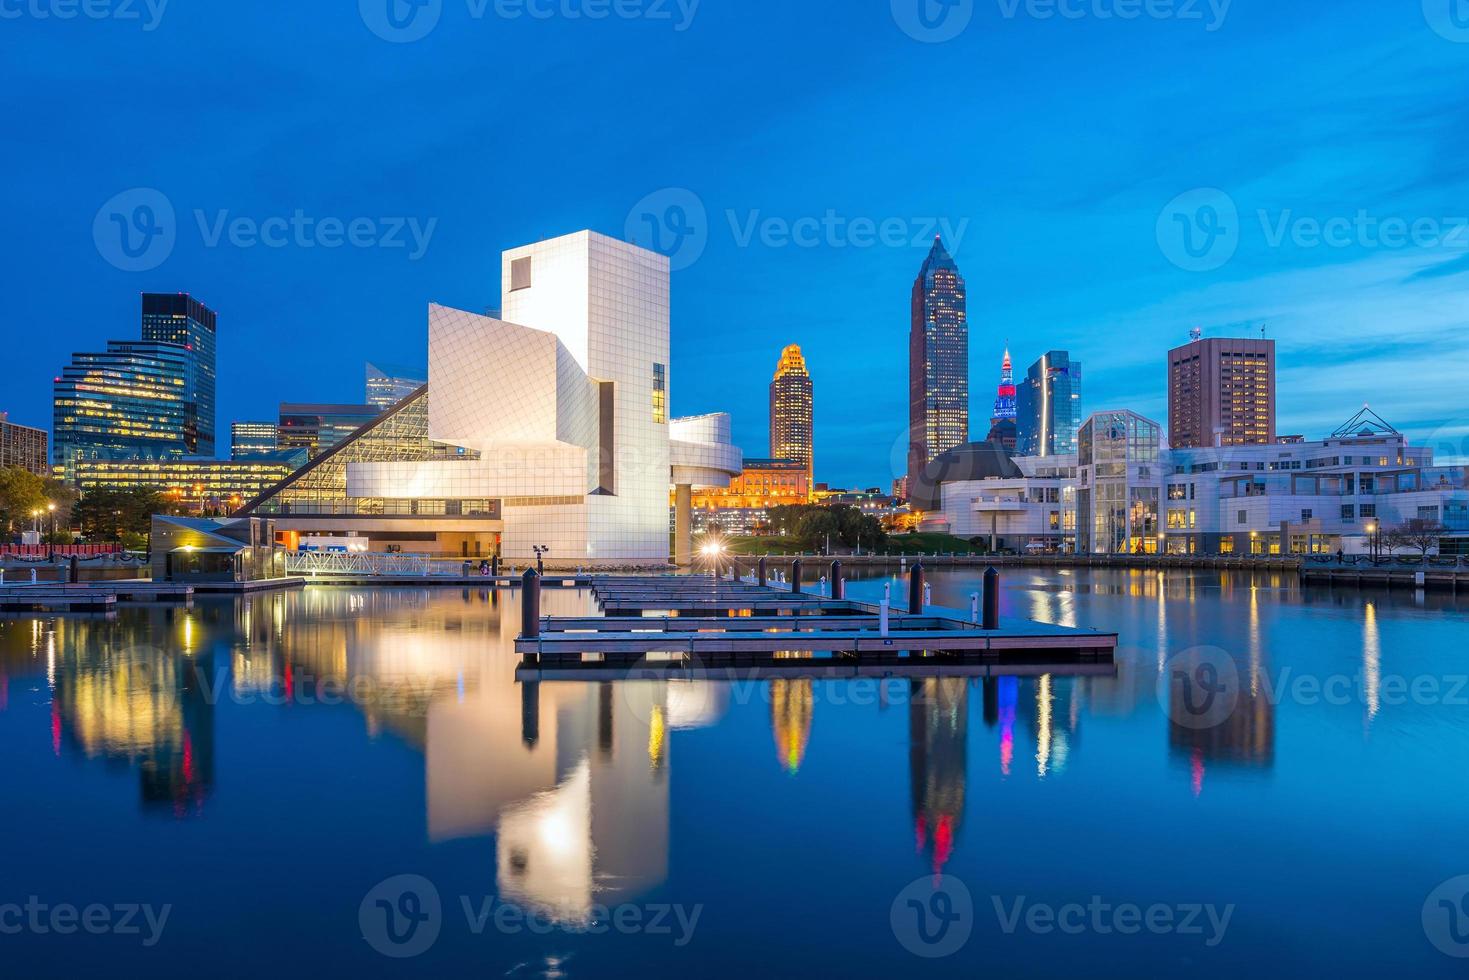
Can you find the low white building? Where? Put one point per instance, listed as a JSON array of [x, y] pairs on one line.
[[1125, 492], [546, 430]]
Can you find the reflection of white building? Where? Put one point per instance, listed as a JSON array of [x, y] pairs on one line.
[[572, 779], [549, 427]]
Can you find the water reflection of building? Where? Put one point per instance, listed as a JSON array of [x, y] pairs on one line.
[[119, 697], [792, 703], [1245, 739], [938, 730]]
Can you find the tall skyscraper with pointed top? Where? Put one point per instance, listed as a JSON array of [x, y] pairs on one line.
[[1002, 422], [792, 410], [938, 361]]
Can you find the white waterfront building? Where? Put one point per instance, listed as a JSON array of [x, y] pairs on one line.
[[1127, 492], [547, 428]]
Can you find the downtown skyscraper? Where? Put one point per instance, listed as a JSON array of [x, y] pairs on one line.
[[1048, 406], [938, 361], [180, 319], [1221, 392], [792, 411]]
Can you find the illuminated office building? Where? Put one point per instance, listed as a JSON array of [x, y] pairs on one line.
[[792, 410], [1048, 407], [938, 361], [388, 384], [191, 483], [1221, 392], [178, 318], [23, 446], [127, 402], [252, 438]]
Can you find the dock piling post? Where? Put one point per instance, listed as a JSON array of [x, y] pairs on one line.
[[882, 617], [838, 584], [530, 605], [796, 577], [974, 607], [74, 574], [495, 565], [760, 571], [915, 589], [991, 599]]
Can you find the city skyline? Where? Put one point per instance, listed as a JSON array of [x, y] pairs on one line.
[[1066, 231]]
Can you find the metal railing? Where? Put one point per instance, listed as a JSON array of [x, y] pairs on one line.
[[358, 563]]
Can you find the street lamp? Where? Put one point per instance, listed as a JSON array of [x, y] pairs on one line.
[[1372, 540], [51, 541]]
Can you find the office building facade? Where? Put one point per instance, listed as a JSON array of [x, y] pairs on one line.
[[389, 384], [792, 411], [180, 319], [196, 485], [938, 361], [253, 438], [127, 402], [319, 429], [23, 446], [1048, 407], [1221, 392]]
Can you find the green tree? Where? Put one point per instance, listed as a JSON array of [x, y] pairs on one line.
[[109, 515], [22, 493]]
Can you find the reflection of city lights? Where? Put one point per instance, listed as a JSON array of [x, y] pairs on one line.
[[1372, 662], [1043, 721], [657, 729], [557, 833]]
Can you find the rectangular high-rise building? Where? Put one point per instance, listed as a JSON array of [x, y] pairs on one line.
[[792, 411], [389, 384], [1221, 392], [252, 438], [178, 318], [23, 446], [1048, 407], [127, 402], [938, 361]]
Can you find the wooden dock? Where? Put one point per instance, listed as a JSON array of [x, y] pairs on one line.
[[90, 596], [683, 621]]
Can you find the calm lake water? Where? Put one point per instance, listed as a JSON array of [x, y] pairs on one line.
[[262, 771]]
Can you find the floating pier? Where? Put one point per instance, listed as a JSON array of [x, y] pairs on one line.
[[680, 622]]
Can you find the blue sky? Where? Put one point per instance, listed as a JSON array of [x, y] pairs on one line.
[[1067, 155]]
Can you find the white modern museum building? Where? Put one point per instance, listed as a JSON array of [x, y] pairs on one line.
[[546, 429]]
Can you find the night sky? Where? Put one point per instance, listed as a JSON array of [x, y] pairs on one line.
[[1106, 183]]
